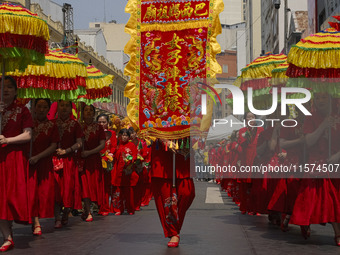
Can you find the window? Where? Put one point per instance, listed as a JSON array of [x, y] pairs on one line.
[[96, 25], [225, 68]]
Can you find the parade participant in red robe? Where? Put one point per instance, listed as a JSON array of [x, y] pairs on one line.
[[16, 133], [92, 174], [269, 154], [318, 200], [235, 151], [283, 199], [138, 168], [41, 177], [221, 160], [146, 191], [124, 178], [162, 178], [225, 177], [68, 190], [248, 141], [212, 157], [107, 154]]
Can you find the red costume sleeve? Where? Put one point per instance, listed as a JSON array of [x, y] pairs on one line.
[[27, 121], [101, 133], [309, 125], [79, 131], [113, 140], [55, 134]]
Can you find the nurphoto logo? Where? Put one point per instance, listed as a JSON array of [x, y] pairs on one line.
[[238, 104]]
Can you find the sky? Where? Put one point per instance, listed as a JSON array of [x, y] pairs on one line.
[[86, 11]]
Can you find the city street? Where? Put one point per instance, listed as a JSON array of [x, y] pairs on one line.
[[213, 225]]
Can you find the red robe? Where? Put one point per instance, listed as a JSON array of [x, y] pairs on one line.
[[233, 186], [110, 147], [41, 175], [212, 157], [318, 199], [247, 158], [68, 189], [92, 176], [264, 187], [14, 193], [248, 145], [124, 178], [120, 174], [284, 197]]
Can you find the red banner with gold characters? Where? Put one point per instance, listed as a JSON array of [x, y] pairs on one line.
[[172, 43]]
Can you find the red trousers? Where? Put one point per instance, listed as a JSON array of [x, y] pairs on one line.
[[138, 192], [161, 189], [105, 208], [147, 194], [123, 198]]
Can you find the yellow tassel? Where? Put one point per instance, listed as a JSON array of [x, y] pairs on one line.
[[177, 147], [170, 145]]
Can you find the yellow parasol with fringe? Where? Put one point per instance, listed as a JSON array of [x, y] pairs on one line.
[[97, 86], [61, 78]]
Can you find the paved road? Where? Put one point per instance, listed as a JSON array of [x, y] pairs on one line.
[[213, 226]]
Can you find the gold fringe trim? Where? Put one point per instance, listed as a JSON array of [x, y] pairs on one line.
[[260, 72], [24, 25], [279, 78], [132, 89], [153, 134], [319, 59], [99, 83], [55, 70]]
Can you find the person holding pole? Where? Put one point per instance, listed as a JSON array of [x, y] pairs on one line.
[[16, 131], [318, 200], [92, 175], [107, 156], [41, 174], [172, 186], [67, 176]]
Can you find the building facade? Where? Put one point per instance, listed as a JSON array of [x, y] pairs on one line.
[[95, 38], [325, 10], [253, 29], [270, 27], [116, 39], [273, 24], [232, 13], [227, 59]]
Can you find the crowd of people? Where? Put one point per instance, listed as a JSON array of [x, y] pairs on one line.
[[310, 194], [50, 167]]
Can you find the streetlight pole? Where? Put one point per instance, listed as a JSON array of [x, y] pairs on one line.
[[286, 27], [251, 29]]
